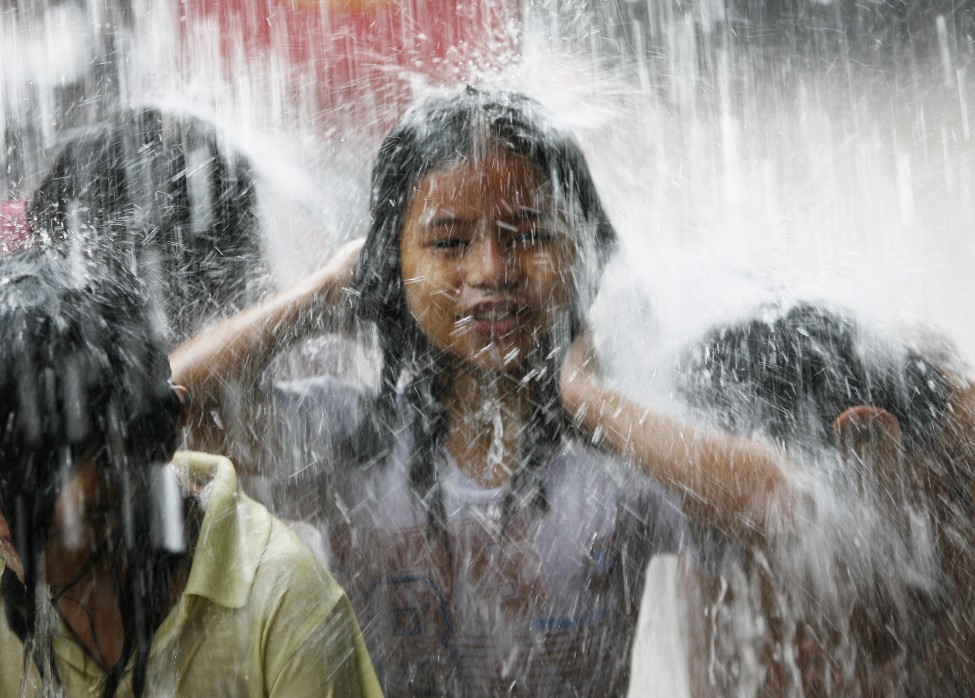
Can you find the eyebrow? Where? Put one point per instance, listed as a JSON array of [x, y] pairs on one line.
[[519, 215], [446, 220]]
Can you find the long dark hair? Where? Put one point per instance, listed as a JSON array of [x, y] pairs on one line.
[[166, 193], [83, 372], [465, 124]]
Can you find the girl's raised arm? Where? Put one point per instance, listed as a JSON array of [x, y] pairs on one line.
[[734, 484], [230, 357]]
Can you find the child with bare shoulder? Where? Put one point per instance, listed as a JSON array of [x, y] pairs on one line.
[[126, 569]]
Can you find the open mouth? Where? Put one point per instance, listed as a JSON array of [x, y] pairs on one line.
[[496, 319]]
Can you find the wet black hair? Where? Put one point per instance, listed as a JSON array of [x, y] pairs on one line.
[[164, 192], [84, 374], [466, 124], [787, 374], [791, 371]]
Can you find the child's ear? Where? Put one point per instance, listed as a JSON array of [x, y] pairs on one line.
[[183, 399]]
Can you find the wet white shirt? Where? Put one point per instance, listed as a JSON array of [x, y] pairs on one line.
[[547, 608]]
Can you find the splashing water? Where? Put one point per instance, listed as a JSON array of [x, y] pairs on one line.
[[746, 151]]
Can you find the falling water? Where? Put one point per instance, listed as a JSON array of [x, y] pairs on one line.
[[747, 151]]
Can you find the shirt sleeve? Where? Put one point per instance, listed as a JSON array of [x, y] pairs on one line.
[[331, 661], [323, 405], [663, 528], [318, 421]]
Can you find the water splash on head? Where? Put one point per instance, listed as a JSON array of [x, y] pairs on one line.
[[742, 149], [88, 386]]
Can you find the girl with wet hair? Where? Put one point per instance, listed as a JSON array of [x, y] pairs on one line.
[[478, 502], [123, 574], [83, 393], [165, 193], [443, 132]]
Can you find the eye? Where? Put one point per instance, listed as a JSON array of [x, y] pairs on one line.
[[448, 233], [534, 236], [449, 244], [527, 228]]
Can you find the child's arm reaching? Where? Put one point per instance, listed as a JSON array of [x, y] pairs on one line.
[[734, 484], [228, 359]]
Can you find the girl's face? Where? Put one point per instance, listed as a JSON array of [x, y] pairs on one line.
[[486, 260], [77, 529]]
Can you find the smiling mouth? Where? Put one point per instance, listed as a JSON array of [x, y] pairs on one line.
[[496, 320]]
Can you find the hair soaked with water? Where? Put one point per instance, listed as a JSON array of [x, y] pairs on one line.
[[788, 373], [164, 192], [793, 372], [465, 125], [84, 372]]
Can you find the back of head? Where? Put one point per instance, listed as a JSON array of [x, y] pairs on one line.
[[84, 375], [466, 125], [163, 192], [791, 372], [788, 374]]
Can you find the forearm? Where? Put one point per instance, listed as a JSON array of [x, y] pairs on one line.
[[235, 352], [222, 367], [734, 484]]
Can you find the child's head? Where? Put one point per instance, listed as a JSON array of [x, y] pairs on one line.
[[485, 250], [164, 193], [482, 162], [792, 373], [788, 375], [88, 411]]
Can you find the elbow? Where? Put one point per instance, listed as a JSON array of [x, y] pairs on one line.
[[771, 504], [779, 507]]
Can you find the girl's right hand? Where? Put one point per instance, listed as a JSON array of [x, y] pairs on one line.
[[345, 259], [319, 301]]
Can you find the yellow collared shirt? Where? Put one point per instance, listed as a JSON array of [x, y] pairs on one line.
[[259, 615]]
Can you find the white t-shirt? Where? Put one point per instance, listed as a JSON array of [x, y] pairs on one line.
[[547, 608]]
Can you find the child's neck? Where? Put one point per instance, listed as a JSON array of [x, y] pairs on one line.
[[487, 413], [91, 609]]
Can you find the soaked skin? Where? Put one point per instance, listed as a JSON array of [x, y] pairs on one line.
[[486, 260], [76, 566]]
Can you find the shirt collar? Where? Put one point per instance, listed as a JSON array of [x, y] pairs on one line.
[[233, 535]]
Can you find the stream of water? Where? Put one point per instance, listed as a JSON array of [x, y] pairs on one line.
[[745, 151]]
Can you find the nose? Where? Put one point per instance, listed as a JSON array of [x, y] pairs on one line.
[[490, 263]]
